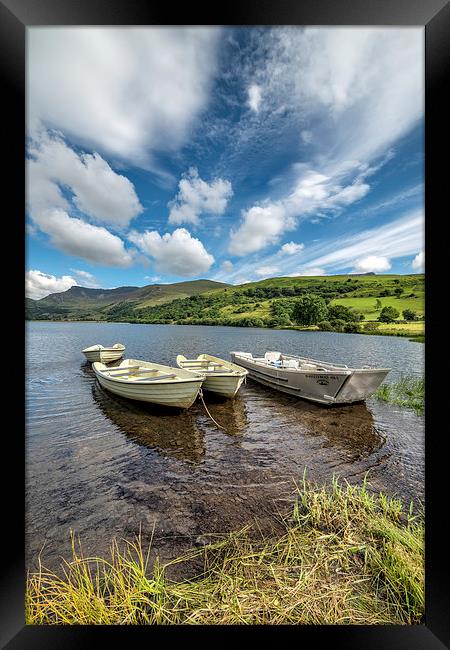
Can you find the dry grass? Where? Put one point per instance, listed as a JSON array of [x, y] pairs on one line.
[[346, 557]]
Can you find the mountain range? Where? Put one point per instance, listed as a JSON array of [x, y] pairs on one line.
[[86, 303]]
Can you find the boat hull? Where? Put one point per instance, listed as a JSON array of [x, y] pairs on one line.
[[179, 393], [329, 387], [106, 356], [92, 356], [102, 354], [224, 386], [225, 382]]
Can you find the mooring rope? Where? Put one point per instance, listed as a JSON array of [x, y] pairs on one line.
[[206, 409]]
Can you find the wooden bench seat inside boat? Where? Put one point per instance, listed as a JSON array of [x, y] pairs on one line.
[[123, 368], [201, 362], [162, 376], [132, 371]]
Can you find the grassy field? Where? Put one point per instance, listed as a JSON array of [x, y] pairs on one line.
[[403, 329], [345, 557], [416, 329], [366, 305]]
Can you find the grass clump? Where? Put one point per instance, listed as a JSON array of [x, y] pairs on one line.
[[407, 391], [346, 556]]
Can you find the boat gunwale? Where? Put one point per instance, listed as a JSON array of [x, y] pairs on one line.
[[98, 347], [231, 372], [333, 368], [151, 380]]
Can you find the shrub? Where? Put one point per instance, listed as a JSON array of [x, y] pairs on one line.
[[309, 309], [388, 315], [325, 326], [338, 324], [372, 326], [340, 312], [409, 314], [351, 328]]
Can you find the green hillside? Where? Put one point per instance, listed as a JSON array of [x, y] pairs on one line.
[[82, 303], [267, 303]]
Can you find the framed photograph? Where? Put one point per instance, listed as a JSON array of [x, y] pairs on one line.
[[225, 294]]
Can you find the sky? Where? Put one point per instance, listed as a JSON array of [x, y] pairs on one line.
[[158, 155]]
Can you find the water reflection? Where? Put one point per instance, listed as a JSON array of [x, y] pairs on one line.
[[229, 413], [171, 432], [348, 427]]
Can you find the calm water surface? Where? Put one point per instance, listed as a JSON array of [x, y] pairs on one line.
[[102, 465]]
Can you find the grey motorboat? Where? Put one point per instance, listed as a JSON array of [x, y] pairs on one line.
[[318, 381]]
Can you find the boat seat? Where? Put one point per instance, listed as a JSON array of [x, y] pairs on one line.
[[190, 362], [135, 372], [164, 376], [272, 356], [125, 368], [290, 363]]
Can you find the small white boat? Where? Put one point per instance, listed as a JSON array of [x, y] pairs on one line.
[[105, 355], [146, 381], [221, 377], [317, 381]]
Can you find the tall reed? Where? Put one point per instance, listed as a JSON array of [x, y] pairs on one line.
[[345, 556]]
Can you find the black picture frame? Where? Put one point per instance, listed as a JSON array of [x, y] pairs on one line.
[[433, 15]]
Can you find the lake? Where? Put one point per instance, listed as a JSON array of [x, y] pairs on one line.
[[103, 466]]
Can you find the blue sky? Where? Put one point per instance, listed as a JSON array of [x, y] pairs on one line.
[[158, 155]]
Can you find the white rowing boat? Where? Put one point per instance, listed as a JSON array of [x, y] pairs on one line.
[[103, 354], [221, 377], [146, 381], [317, 381]]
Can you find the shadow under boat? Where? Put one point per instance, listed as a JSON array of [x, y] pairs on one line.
[[169, 431], [350, 427], [229, 413]]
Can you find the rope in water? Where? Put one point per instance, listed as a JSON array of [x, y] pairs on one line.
[[206, 409]]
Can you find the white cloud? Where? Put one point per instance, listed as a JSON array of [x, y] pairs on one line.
[[227, 266], [240, 280], [86, 279], [39, 285], [312, 271], [360, 90], [418, 263], [375, 263], [254, 97], [291, 248], [123, 91], [264, 224], [364, 86], [98, 191], [261, 225], [196, 197], [396, 239], [178, 253], [266, 271], [81, 239]]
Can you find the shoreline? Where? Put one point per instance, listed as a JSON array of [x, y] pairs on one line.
[[417, 337], [344, 555]]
